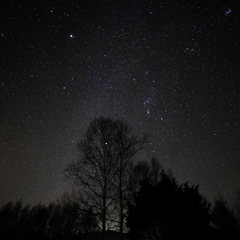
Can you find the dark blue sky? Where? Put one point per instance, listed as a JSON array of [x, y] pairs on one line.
[[169, 68]]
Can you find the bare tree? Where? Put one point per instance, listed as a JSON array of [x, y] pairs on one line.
[[237, 208], [80, 219], [102, 172], [146, 171], [223, 217], [127, 146]]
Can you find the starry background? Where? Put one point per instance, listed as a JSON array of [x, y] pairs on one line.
[[170, 68]]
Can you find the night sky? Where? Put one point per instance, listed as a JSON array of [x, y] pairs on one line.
[[170, 68]]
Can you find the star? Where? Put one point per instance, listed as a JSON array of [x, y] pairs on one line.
[[168, 73]]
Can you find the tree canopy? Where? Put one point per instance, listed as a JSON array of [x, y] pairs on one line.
[[113, 190], [103, 170], [224, 219], [167, 210], [39, 221]]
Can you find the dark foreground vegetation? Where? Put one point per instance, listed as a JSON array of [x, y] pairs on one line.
[[162, 211], [116, 197]]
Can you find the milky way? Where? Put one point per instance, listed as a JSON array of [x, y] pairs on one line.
[[169, 68]]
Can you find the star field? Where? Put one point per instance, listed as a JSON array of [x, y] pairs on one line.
[[169, 68]]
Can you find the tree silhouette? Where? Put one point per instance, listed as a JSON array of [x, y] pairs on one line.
[[237, 208], [147, 171], [88, 221], [6, 217], [39, 222], [103, 169], [223, 218], [166, 210]]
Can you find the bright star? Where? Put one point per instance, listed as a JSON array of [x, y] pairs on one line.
[[228, 12]]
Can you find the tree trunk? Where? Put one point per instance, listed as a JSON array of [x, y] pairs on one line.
[[121, 200]]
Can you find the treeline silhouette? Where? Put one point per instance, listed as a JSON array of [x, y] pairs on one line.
[[41, 221], [167, 210], [160, 210], [116, 197]]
